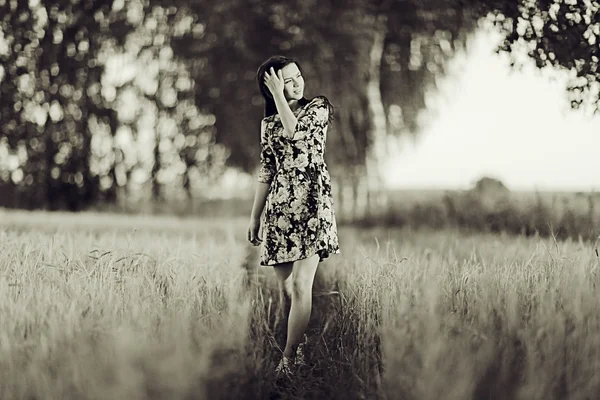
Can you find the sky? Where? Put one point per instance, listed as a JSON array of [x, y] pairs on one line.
[[516, 126]]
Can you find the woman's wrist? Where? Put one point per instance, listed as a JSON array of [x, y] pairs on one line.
[[280, 96]]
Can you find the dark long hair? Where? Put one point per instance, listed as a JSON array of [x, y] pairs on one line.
[[277, 63]]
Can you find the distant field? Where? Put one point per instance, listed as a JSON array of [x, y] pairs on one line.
[[577, 199], [130, 307], [548, 214], [241, 206], [559, 214]]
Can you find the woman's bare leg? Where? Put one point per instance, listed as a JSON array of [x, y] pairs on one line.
[[283, 272], [303, 276]]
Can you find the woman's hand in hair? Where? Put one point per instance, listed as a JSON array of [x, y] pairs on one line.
[[274, 82]]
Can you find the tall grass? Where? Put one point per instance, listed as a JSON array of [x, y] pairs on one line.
[[106, 307]]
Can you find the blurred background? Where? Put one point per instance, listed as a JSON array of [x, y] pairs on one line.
[[448, 112]]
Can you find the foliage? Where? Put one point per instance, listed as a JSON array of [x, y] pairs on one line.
[[558, 33], [111, 98], [333, 42], [49, 90], [153, 91], [85, 88], [563, 216]]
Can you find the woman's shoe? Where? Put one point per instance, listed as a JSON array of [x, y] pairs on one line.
[[299, 360], [284, 368]]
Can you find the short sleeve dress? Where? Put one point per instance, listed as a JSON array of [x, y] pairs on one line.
[[299, 219]]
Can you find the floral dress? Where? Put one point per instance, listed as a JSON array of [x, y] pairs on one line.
[[299, 219]]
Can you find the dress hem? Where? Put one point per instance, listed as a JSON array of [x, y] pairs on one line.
[[301, 258]]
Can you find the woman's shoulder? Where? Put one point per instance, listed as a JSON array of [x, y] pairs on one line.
[[268, 119], [267, 124], [322, 102], [320, 99]]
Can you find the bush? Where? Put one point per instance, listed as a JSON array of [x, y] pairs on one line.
[[503, 212]]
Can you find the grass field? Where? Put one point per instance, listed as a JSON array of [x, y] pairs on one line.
[[562, 214], [129, 307]]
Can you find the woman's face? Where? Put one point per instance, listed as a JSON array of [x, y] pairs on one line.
[[293, 82]]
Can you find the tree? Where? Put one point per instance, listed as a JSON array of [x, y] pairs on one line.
[[559, 33], [73, 125], [49, 92], [20, 30], [375, 59], [168, 140]]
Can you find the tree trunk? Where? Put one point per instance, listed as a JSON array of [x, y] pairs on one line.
[[375, 192], [156, 189]]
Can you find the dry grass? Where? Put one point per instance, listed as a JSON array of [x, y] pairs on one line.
[[110, 307]]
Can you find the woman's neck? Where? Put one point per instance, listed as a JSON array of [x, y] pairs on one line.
[[293, 105]]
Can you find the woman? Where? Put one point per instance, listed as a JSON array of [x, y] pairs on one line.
[[299, 228]]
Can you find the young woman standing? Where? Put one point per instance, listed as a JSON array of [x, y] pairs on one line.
[[294, 190]]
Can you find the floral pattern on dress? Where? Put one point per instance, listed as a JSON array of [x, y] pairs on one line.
[[299, 219]]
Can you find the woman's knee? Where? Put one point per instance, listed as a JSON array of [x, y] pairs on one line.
[[288, 286], [302, 284], [300, 288], [303, 276]]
